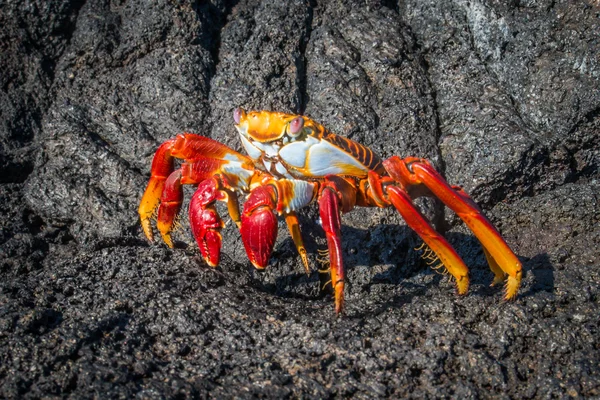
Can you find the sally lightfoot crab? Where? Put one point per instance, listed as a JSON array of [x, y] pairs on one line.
[[293, 161]]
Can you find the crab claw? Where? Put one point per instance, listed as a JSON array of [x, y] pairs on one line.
[[170, 204], [259, 225], [205, 221]]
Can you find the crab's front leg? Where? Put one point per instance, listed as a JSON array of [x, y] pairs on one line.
[[331, 222], [259, 224], [162, 167], [170, 205], [204, 159]]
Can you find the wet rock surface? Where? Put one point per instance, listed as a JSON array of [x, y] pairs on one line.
[[503, 98]]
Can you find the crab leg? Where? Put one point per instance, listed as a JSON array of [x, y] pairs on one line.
[[499, 274], [162, 166], [294, 226], [206, 157], [415, 171], [417, 222], [330, 219]]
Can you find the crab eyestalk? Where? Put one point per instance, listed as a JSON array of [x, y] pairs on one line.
[[238, 115], [295, 126]]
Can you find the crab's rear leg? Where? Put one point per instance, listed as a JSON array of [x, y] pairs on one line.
[[417, 222], [499, 274], [413, 172]]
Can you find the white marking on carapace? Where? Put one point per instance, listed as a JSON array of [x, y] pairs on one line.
[[267, 164], [325, 159], [282, 170], [270, 149], [251, 150], [295, 153]]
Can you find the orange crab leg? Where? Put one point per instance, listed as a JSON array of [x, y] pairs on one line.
[[162, 166], [183, 146], [330, 219], [499, 274], [190, 146], [294, 226], [417, 222], [414, 171]]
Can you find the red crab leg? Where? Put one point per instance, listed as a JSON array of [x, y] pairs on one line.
[[205, 221], [259, 225], [499, 274], [170, 204], [294, 226], [414, 171], [417, 222], [330, 219], [162, 166]]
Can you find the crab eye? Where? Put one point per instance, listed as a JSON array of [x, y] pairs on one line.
[[238, 113], [296, 126]]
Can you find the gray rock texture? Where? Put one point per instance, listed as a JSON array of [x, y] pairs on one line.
[[502, 97]]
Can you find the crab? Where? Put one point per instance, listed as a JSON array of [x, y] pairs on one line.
[[291, 162]]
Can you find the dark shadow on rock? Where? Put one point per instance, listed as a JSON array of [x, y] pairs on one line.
[[399, 251], [543, 272], [41, 322]]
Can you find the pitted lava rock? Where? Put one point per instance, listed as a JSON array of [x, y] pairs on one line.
[[504, 99]]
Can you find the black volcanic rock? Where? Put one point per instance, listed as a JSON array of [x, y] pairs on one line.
[[502, 97]]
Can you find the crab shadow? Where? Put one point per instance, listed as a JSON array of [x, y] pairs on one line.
[[388, 255]]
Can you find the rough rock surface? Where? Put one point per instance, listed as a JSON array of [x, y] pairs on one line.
[[503, 97]]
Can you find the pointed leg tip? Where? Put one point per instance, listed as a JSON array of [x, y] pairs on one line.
[[512, 287], [462, 285], [339, 306], [167, 239], [306, 266], [210, 263], [257, 265], [339, 297], [147, 229]]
